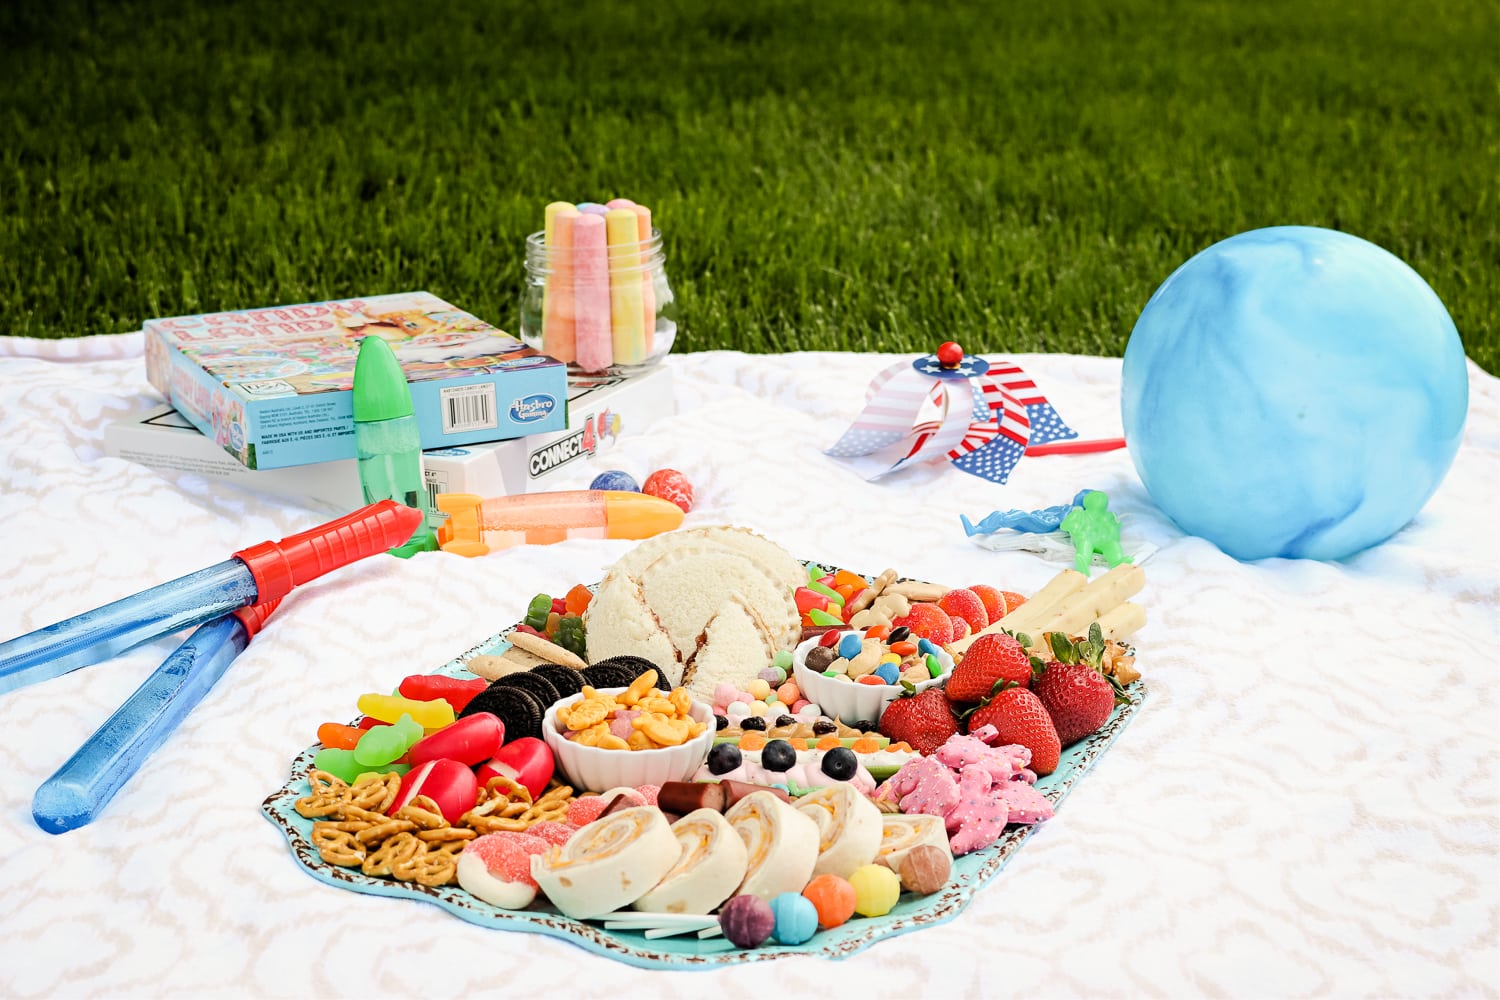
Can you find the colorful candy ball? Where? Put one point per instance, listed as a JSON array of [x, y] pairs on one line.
[[876, 890], [669, 484], [614, 479], [747, 921], [833, 897], [796, 918]]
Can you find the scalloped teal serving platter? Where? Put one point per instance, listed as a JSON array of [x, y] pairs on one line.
[[912, 913]]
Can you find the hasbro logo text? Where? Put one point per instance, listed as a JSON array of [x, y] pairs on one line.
[[529, 408]]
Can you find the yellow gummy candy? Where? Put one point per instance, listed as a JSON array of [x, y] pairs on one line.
[[389, 708]]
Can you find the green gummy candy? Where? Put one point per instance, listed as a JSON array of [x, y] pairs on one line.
[[782, 659], [826, 591], [339, 763], [823, 618], [397, 769], [409, 730], [934, 667], [379, 746]]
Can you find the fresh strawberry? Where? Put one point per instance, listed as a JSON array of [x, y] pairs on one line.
[[989, 660], [1021, 718], [993, 601], [1076, 693], [929, 622], [924, 721], [964, 603]]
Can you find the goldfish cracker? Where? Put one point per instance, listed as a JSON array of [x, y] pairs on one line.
[[389, 708]]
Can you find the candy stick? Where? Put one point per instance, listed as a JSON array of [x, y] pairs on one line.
[[558, 333], [590, 208], [625, 306], [1076, 447], [614, 203], [591, 293], [648, 284]]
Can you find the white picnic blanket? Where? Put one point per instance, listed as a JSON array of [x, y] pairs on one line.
[[1308, 803]]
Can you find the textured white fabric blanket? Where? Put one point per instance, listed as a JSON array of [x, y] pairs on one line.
[[1308, 803]]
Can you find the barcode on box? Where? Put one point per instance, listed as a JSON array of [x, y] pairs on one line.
[[468, 408], [436, 483]]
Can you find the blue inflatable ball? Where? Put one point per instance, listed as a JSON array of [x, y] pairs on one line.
[[614, 479], [1293, 392]]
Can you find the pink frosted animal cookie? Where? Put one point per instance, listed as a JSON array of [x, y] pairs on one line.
[[979, 816], [1003, 762], [497, 868], [923, 785], [1026, 804]]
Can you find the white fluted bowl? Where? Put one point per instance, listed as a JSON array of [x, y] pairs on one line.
[[590, 769]]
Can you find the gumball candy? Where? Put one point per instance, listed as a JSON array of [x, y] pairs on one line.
[[833, 898], [447, 782], [876, 890], [471, 740], [796, 918], [670, 485], [615, 479], [747, 921]]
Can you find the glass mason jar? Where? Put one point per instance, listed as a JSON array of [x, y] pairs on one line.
[[599, 307]]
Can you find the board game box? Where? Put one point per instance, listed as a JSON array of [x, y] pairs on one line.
[[272, 387]]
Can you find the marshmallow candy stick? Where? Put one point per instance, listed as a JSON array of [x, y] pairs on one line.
[[626, 310], [710, 868], [648, 277], [849, 829], [591, 293], [782, 845], [900, 834], [558, 336], [608, 864]]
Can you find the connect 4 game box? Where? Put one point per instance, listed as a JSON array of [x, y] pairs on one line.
[[272, 386]]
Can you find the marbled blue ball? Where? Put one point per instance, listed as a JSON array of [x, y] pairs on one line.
[[1293, 392], [614, 479]]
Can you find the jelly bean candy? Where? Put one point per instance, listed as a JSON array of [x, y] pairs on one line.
[[578, 599], [431, 687], [538, 610], [934, 666], [615, 479], [388, 708], [337, 737], [670, 485], [823, 618]]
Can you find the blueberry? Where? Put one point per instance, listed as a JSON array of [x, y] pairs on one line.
[[898, 634], [753, 722], [786, 720], [824, 726], [778, 755], [838, 763], [721, 722], [723, 758]]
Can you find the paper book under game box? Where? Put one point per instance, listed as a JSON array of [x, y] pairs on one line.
[[272, 386]]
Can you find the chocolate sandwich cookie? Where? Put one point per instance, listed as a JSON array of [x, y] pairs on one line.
[[527, 680], [607, 675], [519, 709], [637, 665], [567, 680]]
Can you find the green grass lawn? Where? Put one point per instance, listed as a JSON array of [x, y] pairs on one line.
[[859, 174]]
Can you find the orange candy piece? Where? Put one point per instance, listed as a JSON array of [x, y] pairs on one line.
[[865, 744], [752, 740], [871, 679], [829, 742], [337, 737], [832, 897], [903, 648], [877, 631], [844, 578], [577, 599]]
